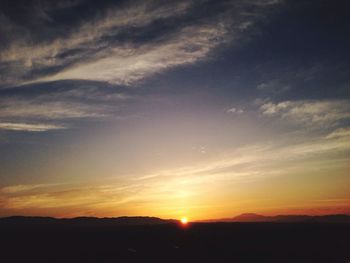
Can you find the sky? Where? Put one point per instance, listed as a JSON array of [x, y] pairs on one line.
[[204, 109]]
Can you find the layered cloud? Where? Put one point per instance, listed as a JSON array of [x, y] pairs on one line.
[[45, 113], [339, 133], [120, 44], [53, 105]]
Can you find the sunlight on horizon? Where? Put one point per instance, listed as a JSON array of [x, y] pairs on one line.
[[184, 220], [203, 109]]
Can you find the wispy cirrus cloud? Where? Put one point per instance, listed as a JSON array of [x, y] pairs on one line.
[[91, 200], [273, 86], [31, 109], [85, 36], [315, 113], [92, 40], [30, 127], [234, 110], [111, 46], [247, 164], [339, 133], [23, 188], [255, 162], [52, 106], [126, 65]]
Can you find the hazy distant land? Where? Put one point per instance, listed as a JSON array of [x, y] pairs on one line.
[[144, 220]]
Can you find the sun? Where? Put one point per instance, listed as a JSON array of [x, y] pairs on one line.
[[184, 220]]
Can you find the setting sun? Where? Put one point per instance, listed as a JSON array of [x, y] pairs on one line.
[[184, 220], [175, 130]]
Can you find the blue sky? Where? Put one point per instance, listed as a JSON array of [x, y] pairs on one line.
[[146, 105]]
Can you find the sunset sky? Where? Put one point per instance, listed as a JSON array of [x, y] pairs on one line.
[[199, 109]]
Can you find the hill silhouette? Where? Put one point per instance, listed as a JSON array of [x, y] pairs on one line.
[[84, 221], [149, 239], [251, 217]]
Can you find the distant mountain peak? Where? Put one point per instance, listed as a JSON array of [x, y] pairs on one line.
[[251, 217]]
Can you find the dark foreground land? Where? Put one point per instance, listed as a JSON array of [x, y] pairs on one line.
[[169, 242]]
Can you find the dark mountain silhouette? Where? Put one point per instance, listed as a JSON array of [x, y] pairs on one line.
[[144, 220], [84, 221], [251, 217], [286, 239]]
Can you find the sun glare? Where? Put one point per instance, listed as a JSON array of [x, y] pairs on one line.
[[184, 220]]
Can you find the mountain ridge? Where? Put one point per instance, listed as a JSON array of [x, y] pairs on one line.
[[86, 221], [148, 220], [252, 217]]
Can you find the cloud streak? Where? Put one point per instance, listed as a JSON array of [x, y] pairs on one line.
[[50, 107], [310, 113], [32, 109], [29, 127], [255, 162], [108, 46], [102, 49], [176, 187], [127, 65]]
